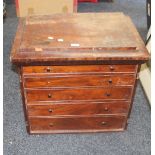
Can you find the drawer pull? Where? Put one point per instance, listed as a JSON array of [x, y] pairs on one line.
[[49, 95], [48, 82], [110, 81], [51, 124], [112, 68], [104, 123], [50, 110], [108, 94], [48, 69], [106, 109]]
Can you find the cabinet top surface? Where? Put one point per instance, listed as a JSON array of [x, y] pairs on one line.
[[77, 37]]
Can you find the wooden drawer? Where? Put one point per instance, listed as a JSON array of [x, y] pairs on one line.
[[80, 69], [78, 94], [79, 81], [78, 109], [76, 124]]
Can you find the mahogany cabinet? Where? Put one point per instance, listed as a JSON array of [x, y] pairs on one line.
[[78, 72]]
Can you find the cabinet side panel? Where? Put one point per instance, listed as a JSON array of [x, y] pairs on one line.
[[23, 98], [134, 89]]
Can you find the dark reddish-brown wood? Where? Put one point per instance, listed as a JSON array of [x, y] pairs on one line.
[[73, 108], [78, 72], [76, 124], [79, 80], [23, 100], [87, 69], [134, 90], [78, 37], [113, 93]]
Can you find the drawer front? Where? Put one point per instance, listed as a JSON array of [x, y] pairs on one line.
[[60, 124], [80, 69], [78, 81], [79, 94], [78, 109]]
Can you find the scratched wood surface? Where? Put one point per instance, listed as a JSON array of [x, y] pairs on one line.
[[78, 31], [78, 72], [80, 37], [77, 124]]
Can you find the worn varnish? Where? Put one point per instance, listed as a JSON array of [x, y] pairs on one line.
[[79, 81], [75, 108], [86, 69], [110, 93], [77, 37], [78, 72], [76, 124]]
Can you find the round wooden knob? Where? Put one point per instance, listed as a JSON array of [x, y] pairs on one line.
[[104, 123], [48, 69], [49, 95], [106, 109], [108, 94], [50, 110], [51, 124], [112, 68], [48, 82], [110, 81]]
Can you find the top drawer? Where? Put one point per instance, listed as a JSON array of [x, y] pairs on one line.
[[87, 69]]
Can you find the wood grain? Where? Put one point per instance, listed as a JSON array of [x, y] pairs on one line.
[[105, 42], [86, 108], [79, 81], [115, 93], [62, 125], [87, 69], [78, 72]]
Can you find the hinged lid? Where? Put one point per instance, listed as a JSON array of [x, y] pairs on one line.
[[77, 37]]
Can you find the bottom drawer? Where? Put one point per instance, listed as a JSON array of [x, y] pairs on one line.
[[76, 124]]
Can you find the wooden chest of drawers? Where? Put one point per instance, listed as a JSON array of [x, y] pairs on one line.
[[78, 72]]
